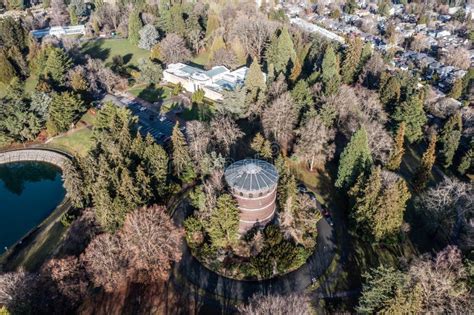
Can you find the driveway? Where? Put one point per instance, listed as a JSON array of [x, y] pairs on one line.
[[191, 270]]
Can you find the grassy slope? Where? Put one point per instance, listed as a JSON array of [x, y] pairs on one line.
[[106, 49], [77, 142], [150, 93]]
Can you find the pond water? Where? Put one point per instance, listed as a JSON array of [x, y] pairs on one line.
[[29, 192]]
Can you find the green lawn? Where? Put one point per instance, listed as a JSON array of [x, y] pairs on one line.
[[206, 111], [202, 59], [78, 142], [150, 93], [105, 49]]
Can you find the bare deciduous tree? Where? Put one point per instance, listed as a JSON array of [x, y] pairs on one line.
[[104, 262], [380, 141], [315, 143], [444, 204], [142, 251], [69, 277], [225, 132], [199, 136], [278, 87], [16, 290], [253, 32], [151, 243], [59, 14], [370, 75], [277, 305], [224, 57], [457, 57], [173, 49], [279, 119], [419, 42], [442, 281]]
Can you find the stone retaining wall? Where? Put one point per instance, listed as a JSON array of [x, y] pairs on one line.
[[39, 155]]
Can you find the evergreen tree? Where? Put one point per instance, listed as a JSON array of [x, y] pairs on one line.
[[296, 70], [379, 205], [234, 102], [281, 52], [255, 81], [7, 71], [72, 15], [412, 113], [466, 162], [355, 159], [399, 150], [450, 138], [456, 89], [148, 37], [423, 173], [78, 82], [390, 92], [262, 146], [73, 183], [64, 109], [223, 226], [365, 194], [330, 71], [182, 163], [364, 57], [15, 4], [391, 207], [350, 6], [302, 96], [382, 286], [134, 26], [57, 64], [351, 60]]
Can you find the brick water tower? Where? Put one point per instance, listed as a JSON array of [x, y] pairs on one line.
[[253, 183]]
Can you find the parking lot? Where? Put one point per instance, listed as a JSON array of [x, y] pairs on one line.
[[159, 127]]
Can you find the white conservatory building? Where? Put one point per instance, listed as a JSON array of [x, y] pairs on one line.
[[212, 81]]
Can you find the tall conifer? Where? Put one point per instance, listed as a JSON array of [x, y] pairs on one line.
[[330, 71], [449, 139], [351, 60], [355, 159], [399, 150], [423, 173]]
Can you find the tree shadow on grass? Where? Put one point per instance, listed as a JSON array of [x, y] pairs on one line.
[[127, 58], [152, 94], [96, 51]]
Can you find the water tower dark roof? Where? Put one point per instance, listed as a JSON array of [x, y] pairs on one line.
[[251, 175]]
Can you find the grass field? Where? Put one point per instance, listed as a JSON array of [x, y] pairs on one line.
[[106, 49], [150, 93], [202, 59], [77, 142]]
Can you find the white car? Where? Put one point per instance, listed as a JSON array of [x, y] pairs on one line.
[[142, 108]]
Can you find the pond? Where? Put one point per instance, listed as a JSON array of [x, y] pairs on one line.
[[29, 192]]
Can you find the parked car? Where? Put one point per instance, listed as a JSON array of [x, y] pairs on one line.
[[330, 221], [302, 188], [162, 118], [311, 195], [143, 108]]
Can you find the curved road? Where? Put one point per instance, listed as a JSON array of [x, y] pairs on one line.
[[219, 286]]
